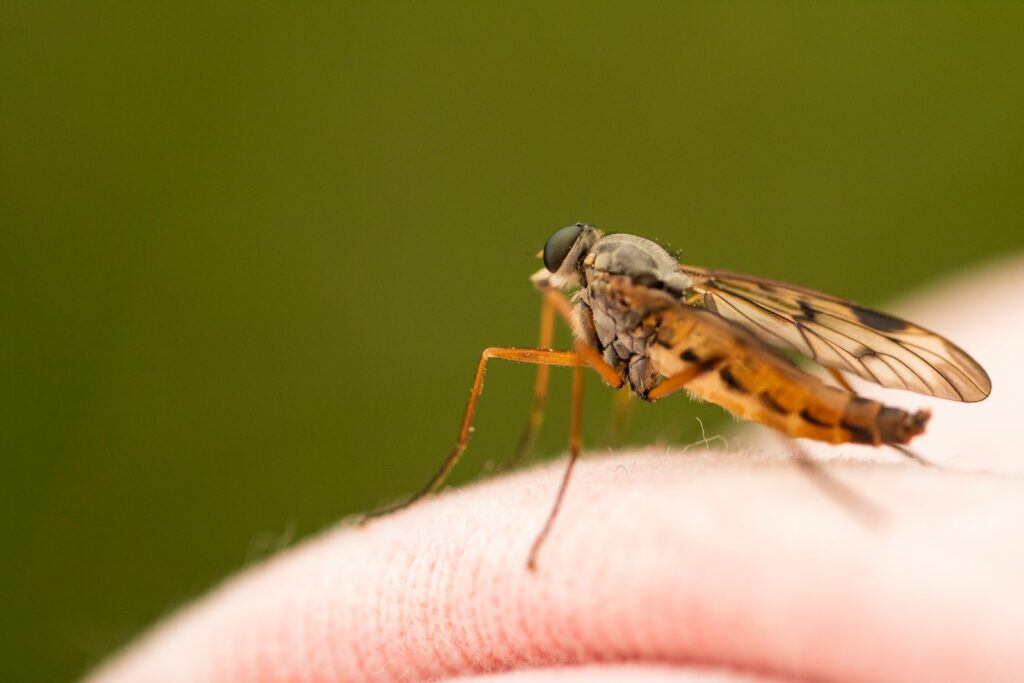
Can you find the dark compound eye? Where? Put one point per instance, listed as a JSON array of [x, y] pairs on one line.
[[558, 246]]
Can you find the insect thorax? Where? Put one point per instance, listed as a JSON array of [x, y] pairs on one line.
[[618, 324]]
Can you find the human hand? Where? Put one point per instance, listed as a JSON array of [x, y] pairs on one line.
[[665, 566]]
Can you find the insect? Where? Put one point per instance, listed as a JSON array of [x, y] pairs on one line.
[[643, 321]]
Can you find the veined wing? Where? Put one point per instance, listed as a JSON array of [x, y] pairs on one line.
[[843, 335]]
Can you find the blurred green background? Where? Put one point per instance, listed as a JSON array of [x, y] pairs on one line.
[[250, 253]]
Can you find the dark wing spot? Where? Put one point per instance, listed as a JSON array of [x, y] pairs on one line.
[[729, 379], [689, 356], [878, 321], [807, 311]]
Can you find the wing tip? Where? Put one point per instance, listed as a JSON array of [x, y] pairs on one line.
[[981, 390]]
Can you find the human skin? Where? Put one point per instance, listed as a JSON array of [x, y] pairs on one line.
[[665, 565]]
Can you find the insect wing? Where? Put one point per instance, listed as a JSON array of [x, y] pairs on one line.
[[843, 335]]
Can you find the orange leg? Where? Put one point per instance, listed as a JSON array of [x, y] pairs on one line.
[[840, 380], [554, 301], [575, 444], [677, 381], [540, 387], [562, 306], [536, 356], [622, 413]]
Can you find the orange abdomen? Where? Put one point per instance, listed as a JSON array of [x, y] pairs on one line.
[[755, 383]]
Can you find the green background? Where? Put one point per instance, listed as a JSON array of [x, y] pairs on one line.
[[249, 254]]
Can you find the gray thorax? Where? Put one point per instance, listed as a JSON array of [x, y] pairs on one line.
[[616, 327]]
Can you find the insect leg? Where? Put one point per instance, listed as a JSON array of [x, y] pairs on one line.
[[540, 387], [562, 306], [677, 381], [906, 452], [840, 380], [536, 356], [575, 443], [622, 412], [869, 513]]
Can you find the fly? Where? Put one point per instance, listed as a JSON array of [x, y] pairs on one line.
[[642, 320]]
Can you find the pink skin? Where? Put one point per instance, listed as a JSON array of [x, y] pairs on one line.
[[664, 566]]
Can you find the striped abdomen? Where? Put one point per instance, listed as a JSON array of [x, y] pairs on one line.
[[751, 380]]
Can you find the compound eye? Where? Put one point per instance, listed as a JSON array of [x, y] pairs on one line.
[[559, 245]]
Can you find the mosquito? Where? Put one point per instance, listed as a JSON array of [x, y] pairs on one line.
[[645, 322]]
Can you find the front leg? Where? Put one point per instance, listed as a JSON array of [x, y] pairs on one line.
[[544, 357], [672, 384], [556, 302]]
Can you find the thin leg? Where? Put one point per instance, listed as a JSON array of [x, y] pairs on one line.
[[869, 513], [677, 381], [562, 306], [622, 412], [540, 387], [536, 356], [906, 452], [575, 443], [840, 380], [555, 301]]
